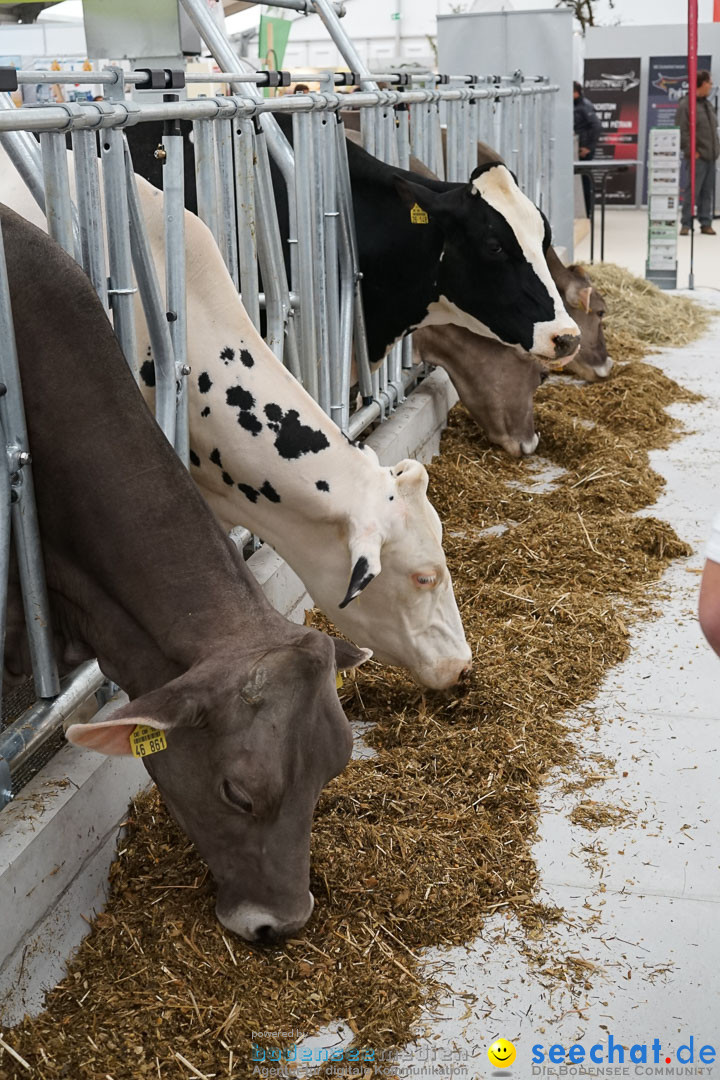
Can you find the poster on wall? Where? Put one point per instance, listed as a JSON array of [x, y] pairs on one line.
[[613, 86], [667, 84]]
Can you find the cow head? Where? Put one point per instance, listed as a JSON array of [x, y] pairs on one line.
[[495, 384], [587, 307], [493, 277], [389, 582], [251, 741]]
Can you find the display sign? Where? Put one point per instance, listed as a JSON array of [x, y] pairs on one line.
[[613, 86], [663, 205], [667, 85]]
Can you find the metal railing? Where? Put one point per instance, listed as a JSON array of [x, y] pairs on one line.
[[312, 306]]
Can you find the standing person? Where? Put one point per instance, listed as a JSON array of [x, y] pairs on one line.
[[707, 150], [587, 127]]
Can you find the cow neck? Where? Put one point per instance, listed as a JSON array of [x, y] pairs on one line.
[[399, 256], [126, 534]]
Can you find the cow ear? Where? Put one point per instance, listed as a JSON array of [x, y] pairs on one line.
[[365, 547], [411, 476], [418, 195], [171, 706], [584, 297], [578, 292], [349, 656]]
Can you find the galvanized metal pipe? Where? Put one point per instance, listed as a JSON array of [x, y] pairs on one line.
[[227, 221], [347, 225], [205, 176], [326, 10], [244, 176], [175, 287], [324, 299], [122, 287], [304, 197], [335, 358], [154, 308], [368, 414], [87, 193], [60, 215], [121, 114], [23, 738], [223, 52], [23, 151], [270, 253]]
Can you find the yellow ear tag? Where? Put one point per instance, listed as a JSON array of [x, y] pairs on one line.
[[338, 681], [146, 740], [418, 215]]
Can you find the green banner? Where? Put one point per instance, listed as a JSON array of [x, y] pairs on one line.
[[274, 34]]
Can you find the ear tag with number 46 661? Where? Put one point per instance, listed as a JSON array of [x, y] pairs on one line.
[[418, 215], [146, 740]]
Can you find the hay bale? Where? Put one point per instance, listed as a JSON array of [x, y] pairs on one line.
[[642, 318]]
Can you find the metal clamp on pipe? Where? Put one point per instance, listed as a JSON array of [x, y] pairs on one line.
[[442, 80], [132, 113], [174, 79], [8, 80], [104, 109], [347, 78], [155, 78], [70, 108], [275, 78]]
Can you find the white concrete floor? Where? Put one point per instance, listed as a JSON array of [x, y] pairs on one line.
[[641, 899], [626, 244]]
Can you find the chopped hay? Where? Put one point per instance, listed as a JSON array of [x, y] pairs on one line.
[[598, 815], [419, 845], [642, 318]]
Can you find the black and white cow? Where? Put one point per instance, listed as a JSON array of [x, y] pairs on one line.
[[475, 258], [363, 538]]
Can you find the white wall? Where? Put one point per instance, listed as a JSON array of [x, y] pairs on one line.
[[539, 43], [42, 39]]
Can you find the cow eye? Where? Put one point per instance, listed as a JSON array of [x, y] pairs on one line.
[[425, 581], [236, 797], [494, 246]]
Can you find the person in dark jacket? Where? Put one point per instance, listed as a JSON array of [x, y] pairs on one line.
[[707, 150], [587, 127]]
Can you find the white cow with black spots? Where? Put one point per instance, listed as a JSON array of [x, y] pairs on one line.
[[267, 457]]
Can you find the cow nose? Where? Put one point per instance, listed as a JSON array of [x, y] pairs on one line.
[[529, 446], [266, 934], [565, 344], [262, 926]]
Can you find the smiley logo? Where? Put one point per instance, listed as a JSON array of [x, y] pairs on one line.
[[501, 1053]]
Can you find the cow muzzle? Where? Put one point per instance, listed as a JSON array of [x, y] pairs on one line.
[[566, 345], [517, 448], [443, 673], [262, 927], [555, 340]]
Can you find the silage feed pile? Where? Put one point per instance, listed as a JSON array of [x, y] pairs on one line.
[[420, 844], [641, 317]]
